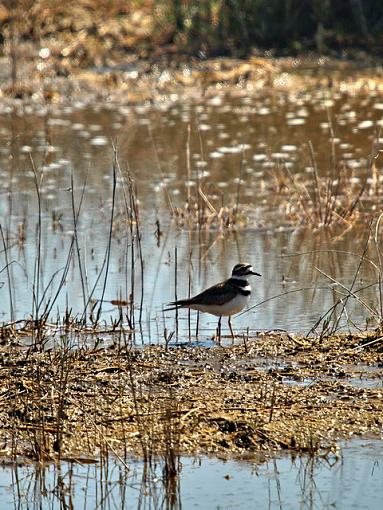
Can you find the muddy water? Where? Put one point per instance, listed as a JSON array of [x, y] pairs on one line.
[[350, 479], [235, 141]]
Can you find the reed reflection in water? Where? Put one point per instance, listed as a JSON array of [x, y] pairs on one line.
[[349, 478]]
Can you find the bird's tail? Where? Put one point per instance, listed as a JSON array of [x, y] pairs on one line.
[[175, 305]]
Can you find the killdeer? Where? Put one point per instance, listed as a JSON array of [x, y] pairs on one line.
[[223, 299]]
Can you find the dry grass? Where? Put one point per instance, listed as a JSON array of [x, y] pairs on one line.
[[206, 216], [81, 403], [327, 201]]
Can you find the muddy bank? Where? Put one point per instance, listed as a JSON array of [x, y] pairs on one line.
[[135, 80], [262, 395]]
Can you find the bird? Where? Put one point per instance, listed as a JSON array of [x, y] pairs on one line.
[[223, 299]]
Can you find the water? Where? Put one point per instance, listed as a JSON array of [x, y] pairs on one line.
[[238, 135], [350, 479], [238, 143]]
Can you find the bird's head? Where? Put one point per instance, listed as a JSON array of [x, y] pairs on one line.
[[241, 270]]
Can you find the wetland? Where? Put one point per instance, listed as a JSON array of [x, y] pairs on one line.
[[122, 190]]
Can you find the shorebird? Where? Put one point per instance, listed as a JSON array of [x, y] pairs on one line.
[[223, 299]]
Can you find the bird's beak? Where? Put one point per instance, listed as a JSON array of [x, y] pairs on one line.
[[255, 274]]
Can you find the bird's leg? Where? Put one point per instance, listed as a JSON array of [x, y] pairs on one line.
[[197, 326], [231, 329], [218, 332]]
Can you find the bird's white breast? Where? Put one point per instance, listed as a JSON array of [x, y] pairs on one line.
[[230, 308]]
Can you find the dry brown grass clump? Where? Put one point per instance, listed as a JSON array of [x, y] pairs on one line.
[[83, 31], [193, 215], [266, 394], [321, 201]]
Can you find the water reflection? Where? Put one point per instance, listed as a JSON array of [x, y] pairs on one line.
[[351, 478], [288, 262], [235, 143]]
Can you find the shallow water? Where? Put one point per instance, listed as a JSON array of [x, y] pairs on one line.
[[237, 135], [350, 479]]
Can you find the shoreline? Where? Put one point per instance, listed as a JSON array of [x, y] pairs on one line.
[[261, 396]]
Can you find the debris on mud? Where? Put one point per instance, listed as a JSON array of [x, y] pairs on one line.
[[261, 395]]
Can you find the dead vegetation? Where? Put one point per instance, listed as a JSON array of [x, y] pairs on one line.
[[262, 395], [323, 201], [204, 215]]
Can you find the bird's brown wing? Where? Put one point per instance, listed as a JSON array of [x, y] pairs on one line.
[[217, 295]]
